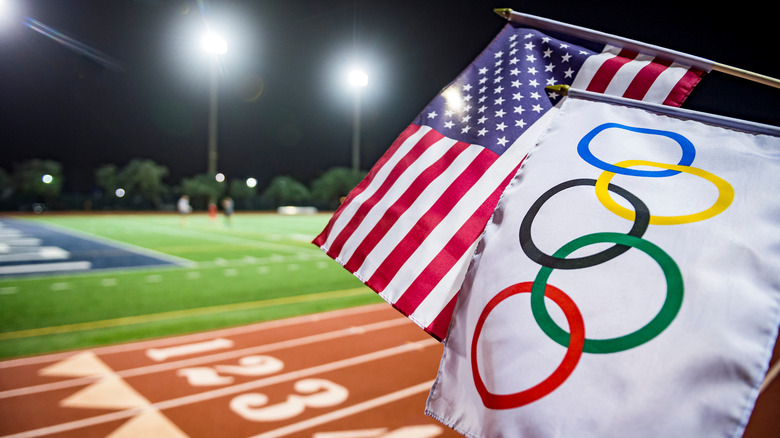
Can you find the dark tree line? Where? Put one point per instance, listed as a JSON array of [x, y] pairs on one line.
[[141, 185]]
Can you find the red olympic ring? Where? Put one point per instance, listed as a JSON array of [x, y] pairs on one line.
[[564, 370]]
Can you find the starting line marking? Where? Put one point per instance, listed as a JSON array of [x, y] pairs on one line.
[[248, 386]]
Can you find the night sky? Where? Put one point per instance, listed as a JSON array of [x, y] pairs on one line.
[[57, 104]]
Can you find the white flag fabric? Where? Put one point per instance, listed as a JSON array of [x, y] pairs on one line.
[[627, 285]]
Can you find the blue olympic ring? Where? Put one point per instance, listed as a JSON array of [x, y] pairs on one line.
[[583, 148]]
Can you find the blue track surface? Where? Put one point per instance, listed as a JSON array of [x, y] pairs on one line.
[[28, 248]]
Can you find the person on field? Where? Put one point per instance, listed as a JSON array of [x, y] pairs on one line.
[[184, 207], [227, 208]]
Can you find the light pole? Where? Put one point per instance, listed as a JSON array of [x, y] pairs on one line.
[[214, 45], [357, 79]]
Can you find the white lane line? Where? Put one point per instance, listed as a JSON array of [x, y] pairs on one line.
[[227, 391], [348, 411], [228, 355], [226, 332]]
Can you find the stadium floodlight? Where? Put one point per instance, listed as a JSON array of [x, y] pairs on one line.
[[47, 179], [220, 177], [120, 192], [214, 44], [251, 183], [358, 78]]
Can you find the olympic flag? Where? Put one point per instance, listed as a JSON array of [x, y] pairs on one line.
[[408, 230], [628, 283]]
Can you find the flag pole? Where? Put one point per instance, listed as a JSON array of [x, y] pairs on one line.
[[695, 61]]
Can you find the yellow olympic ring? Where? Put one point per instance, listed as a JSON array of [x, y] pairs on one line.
[[725, 194]]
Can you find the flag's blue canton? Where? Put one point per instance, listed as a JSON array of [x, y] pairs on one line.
[[502, 93]]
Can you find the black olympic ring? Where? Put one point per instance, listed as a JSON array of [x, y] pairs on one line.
[[641, 221]]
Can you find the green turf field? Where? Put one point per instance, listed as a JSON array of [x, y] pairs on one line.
[[259, 267]]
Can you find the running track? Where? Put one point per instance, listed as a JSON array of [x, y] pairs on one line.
[[357, 373]]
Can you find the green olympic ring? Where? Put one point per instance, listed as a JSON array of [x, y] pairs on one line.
[[665, 316]]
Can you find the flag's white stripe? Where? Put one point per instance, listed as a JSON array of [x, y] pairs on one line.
[[418, 209], [440, 295], [591, 66], [349, 210], [665, 83], [619, 84], [423, 162]]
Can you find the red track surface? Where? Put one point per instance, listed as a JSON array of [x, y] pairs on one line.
[[356, 373]]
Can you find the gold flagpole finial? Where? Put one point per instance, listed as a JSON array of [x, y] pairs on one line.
[[503, 12], [563, 90]]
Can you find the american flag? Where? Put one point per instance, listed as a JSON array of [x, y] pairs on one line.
[[409, 229]]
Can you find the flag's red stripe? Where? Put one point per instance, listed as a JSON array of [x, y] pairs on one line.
[[684, 87], [441, 324], [408, 132], [402, 204], [432, 217], [609, 69], [458, 244], [645, 78], [426, 141]]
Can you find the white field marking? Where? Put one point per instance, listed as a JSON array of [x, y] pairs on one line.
[[348, 411], [244, 387], [9, 290], [263, 270], [230, 272], [193, 275], [19, 241], [224, 356], [226, 332], [108, 282], [293, 267], [161, 354], [155, 278], [36, 254], [44, 267], [60, 286]]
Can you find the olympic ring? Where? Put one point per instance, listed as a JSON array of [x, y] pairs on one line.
[[725, 194], [665, 316], [530, 249], [583, 148], [564, 370]]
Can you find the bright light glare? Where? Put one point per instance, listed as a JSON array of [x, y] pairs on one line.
[[358, 79], [120, 192], [251, 182], [213, 43], [47, 179], [219, 177]]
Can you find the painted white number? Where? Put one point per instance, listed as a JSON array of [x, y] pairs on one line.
[[324, 393], [248, 366]]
